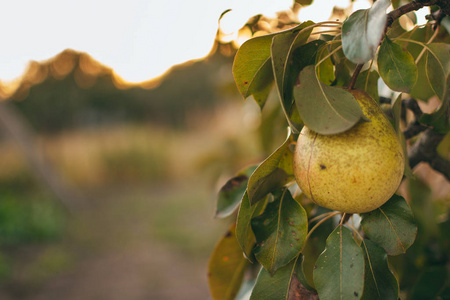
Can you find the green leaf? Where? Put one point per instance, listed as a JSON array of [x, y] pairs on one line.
[[430, 283], [252, 69], [301, 275], [272, 174], [339, 272], [362, 32], [391, 226], [274, 287], [244, 232], [440, 119], [396, 113], [368, 82], [396, 66], [379, 282], [325, 109], [280, 232], [285, 68], [226, 267], [344, 71], [315, 244], [422, 89], [231, 193], [325, 71], [438, 67], [446, 23], [424, 209], [433, 70]]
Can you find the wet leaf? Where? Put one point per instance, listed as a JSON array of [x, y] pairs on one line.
[[391, 226], [379, 282], [362, 32], [280, 231], [274, 287], [244, 233], [252, 69], [272, 174], [339, 272], [231, 193], [325, 109], [226, 267], [396, 66]]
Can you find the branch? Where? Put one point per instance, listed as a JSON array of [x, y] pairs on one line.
[[415, 127], [425, 150], [298, 292], [409, 7]]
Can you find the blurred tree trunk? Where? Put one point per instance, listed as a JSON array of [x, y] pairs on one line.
[[16, 127]]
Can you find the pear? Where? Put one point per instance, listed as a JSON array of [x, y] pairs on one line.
[[355, 171]]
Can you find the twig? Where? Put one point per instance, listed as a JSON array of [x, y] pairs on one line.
[[358, 68], [404, 9], [414, 128], [436, 16]]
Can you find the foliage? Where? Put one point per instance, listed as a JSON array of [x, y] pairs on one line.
[[382, 254]]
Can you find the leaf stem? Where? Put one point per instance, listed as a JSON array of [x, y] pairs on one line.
[[317, 225], [358, 69], [321, 216], [429, 41], [342, 219], [326, 31], [355, 230], [328, 56]]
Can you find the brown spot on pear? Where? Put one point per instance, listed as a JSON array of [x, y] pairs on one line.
[[364, 164]]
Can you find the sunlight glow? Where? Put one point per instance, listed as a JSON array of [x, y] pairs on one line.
[[139, 39]]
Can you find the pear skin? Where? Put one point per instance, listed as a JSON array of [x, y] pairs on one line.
[[355, 171]]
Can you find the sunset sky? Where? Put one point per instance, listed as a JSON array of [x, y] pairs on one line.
[[139, 39]]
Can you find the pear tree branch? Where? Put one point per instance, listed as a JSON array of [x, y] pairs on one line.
[[423, 150]]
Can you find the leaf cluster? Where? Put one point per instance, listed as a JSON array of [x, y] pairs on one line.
[[287, 241]]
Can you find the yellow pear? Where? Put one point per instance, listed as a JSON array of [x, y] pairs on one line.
[[355, 171]]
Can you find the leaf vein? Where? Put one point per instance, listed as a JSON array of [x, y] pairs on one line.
[[393, 229]]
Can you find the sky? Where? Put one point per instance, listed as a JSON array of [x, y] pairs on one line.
[[139, 39]]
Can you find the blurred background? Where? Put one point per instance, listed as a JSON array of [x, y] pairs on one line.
[[110, 163]]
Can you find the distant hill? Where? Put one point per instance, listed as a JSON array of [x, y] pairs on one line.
[[72, 90]]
